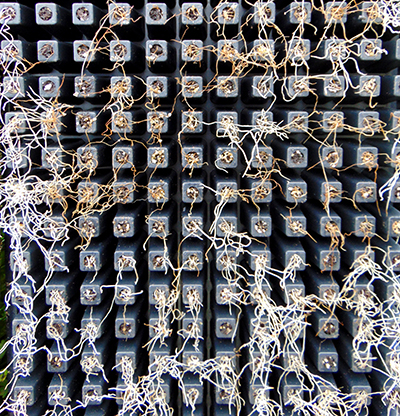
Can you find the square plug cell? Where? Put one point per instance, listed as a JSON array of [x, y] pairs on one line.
[[158, 226], [298, 87], [191, 327], [297, 156], [88, 157], [192, 14], [123, 192], [121, 86], [260, 226], [297, 121], [157, 122], [261, 192], [227, 50], [10, 13], [192, 291], [225, 326], [11, 50], [14, 87], [157, 157], [192, 157], [82, 51], [48, 51], [226, 157], [226, 122], [53, 158], [328, 260], [371, 49], [300, 12], [370, 86], [226, 224], [191, 225], [84, 86], [84, 14], [265, 12], [90, 261], [123, 226], [262, 157], [16, 121], [157, 292], [192, 51], [263, 50], [156, 51], [192, 122], [47, 13], [332, 157], [156, 261], [192, 191], [125, 327], [227, 191], [23, 264], [336, 12], [331, 191], [225, 260], [260, 259], [299, 51], [89, 226], [122, 157], [158, 191], [394, 122], [124, 260], [192, 260], [119, 14], [120, 51], [192, 87], [262, 120], [228, 13], [262, 87], [327, 327], [368, 122], [156, 14], [295, 226], [365, 192], [227, 87], [49, 87], [296, 191], [122, 122], [367, 156], [332, 121], [334, 86], [157, 87], [288, 258]]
